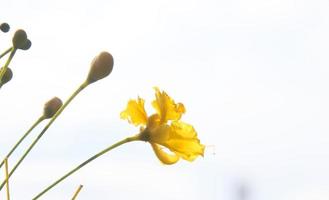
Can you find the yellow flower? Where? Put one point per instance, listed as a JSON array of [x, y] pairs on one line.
[[164, 128]]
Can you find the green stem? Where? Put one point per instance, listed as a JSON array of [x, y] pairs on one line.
[[4, 69], [129, 139], [81, 87], [22, 138], [5, 53], [7, 181], [77, 192]]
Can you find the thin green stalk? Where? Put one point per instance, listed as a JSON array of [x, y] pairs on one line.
[[4, 69], [5, 52], [77, 192], [81, 87], [7, 181], [129, 139], [22, 138]]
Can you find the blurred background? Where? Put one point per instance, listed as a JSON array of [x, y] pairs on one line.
[[253, 75]]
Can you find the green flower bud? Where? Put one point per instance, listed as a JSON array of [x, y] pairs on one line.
[[19, 39], [4, 27], [101, 67], [51, 107], [8, 75]]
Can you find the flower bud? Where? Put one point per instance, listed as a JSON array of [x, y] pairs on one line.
[[51, 107], [7, 76], [101, 67], [4, 27], [26, 45], [19, 39]]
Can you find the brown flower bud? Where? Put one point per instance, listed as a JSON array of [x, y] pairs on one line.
[[51, 107], [4, 27], [26, 45], [7, 76], [19, 39], [101, 67]]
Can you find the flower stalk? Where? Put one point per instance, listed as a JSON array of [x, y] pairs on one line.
[[7, 181], [101, 67], [129, 139], [77, 192], [80, 88], [36, 123], [49, 110], [5, 52]]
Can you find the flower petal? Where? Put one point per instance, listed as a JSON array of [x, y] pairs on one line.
[[182, 130], [153, 121], [166, 106], [187, 149], [180, 138], [135, 112], [158, 134], [163, 156], [183, 141]]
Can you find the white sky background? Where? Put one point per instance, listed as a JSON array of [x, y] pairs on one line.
[[253, 76]]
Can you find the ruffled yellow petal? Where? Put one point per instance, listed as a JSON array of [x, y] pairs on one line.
[[166, 106], [182, 130], [135, 112], [163, 156], [183, 139], [179, 137], [187, 149]]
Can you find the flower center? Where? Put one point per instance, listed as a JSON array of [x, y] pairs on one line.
[[145, 135]]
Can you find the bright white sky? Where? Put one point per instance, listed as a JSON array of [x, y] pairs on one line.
[[252, 74]]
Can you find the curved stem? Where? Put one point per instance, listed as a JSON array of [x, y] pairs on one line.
[[5, 52], [129, 139], [22, 138], [4, 69], [81, 87]]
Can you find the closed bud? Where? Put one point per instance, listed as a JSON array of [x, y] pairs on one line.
[[19, 39], [51, 107], [101, 67], [27, 45], [7, 76], [4, 27]]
